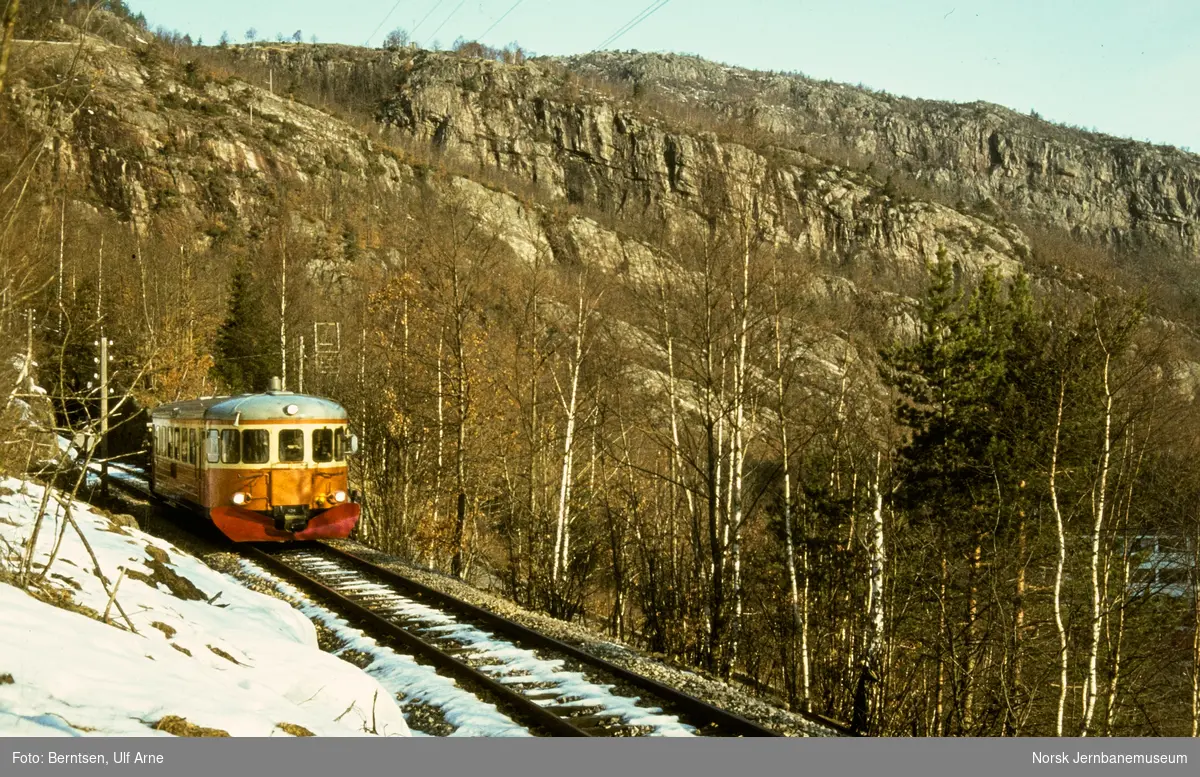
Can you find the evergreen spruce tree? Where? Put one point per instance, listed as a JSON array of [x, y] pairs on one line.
[[243, 353]]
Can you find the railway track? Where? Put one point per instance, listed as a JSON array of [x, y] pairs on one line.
[[524, 671], [552, 687]]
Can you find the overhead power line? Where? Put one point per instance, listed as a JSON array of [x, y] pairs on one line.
[[385, 18], [426, 16], [645, 14], [503, 16], [448, 18]]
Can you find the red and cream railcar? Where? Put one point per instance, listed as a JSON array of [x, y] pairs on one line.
[[263, 467]]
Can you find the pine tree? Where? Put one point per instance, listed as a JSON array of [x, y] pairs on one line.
[[955, 383]]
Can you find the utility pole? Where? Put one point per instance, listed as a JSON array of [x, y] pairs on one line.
[[103, 414], [100, 280], [283, 314]]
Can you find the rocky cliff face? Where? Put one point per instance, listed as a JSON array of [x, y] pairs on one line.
[[159, 138], [1115, 190], [144, 139], [586, 148]]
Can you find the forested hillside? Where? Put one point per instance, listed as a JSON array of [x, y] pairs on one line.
[[886, 408]]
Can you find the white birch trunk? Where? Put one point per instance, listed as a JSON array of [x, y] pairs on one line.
[[441, 426], [1062, 561], [62, 253], [1196, 634], [878, 557], [570, 407], [738, 447], [1092, 687], [798, 611]]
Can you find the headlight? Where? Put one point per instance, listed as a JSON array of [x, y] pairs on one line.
[[239, 498], [339, 496]]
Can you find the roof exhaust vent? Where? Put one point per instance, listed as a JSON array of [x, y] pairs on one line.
[[275, 384]]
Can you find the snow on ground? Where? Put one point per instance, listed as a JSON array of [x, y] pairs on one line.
[[206, 650], [400, 674]]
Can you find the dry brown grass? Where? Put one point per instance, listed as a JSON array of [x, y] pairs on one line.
[[294, 730], [224, 655], [48, 593], [181, 727], [164, 628], [177, 584]]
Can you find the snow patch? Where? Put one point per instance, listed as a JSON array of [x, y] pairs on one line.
[[205, 649]]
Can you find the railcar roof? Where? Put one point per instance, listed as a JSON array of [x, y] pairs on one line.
[[253, 407]]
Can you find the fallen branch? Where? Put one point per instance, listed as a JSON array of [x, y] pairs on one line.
[[87, 545], [113, 596]]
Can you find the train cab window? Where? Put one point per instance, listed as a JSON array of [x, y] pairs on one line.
[[256, 446], [339, 445], [229, 446], [322, 444], [212, 446], [291, 445]]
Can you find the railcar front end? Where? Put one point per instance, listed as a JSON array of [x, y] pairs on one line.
[[264, 467]]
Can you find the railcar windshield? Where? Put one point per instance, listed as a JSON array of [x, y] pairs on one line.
[[339, 445], [212, 446], [291, 445], [229, 446], [322, 442], [256, 446]]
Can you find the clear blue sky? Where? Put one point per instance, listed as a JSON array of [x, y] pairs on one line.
[[1126, 67]]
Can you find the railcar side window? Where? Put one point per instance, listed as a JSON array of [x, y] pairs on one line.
[[212, 446], [229, 446], [339, 445], [291, 445], [256, 446], [173, 444], [322, 444], [192, 450]]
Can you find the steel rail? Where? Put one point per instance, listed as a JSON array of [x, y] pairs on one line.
[[509, 699], [695, 709]]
